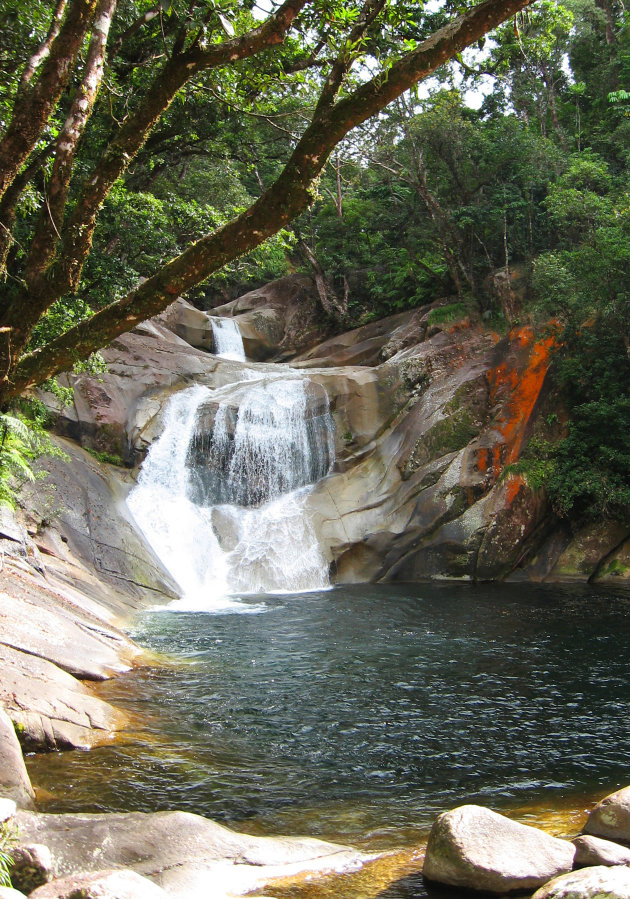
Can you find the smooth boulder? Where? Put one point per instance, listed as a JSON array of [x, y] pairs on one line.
[[595, 851], [611, 817], [478, 849], [122, 884], [14, 780], [8, 893], [589, 883]]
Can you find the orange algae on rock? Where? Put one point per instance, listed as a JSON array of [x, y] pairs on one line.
[[514, 387]]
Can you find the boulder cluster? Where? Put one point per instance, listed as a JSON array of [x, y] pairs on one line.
[[474, 848]]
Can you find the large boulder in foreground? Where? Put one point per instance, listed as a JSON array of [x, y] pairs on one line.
[[100, 885], [589, 883], [14, 779], [478, 849], [611, 817], [181, 852]]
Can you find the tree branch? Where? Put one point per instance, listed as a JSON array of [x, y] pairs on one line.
[[287, 197], [33, 108], [44, 48], [50, 222], [134, 131]]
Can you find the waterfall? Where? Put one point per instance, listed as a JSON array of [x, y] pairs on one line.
[[222, 494], [228, 342]]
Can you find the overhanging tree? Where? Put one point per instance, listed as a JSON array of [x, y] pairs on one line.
[[365, 56]]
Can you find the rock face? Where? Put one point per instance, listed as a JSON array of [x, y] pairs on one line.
[[611, 817], [428, 416], [478, 849], [279, 319], [589, 883], [14, 779], [50, 636]]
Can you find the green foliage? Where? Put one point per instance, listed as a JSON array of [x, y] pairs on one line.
[[22, 441], [108, 458], [537, 464], [452, 312], [8, 839]]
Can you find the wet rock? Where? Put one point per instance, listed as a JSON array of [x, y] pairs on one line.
[[615, 568], [478, 849], [79, 514], [611, 817], [587, 548], [14, 780], [589, 883], [32, 866], [100, 885], [595, 851]]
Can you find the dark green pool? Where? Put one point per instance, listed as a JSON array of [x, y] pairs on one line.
[[361, 712]]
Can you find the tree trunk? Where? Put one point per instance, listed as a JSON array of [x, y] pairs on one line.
[[34, 107], [328, 298], [50, 224]]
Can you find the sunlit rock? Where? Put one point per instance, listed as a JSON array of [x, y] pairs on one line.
[[478, 849], [589, 883], [595, 851], [14, 779], [611, 817], [100, 885]]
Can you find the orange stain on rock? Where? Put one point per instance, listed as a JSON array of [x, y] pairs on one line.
[[521, 389], [513, 488]]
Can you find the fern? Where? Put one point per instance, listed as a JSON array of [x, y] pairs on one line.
[[8, 838], [21, 443]]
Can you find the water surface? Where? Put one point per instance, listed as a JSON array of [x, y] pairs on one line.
[[361, 712]]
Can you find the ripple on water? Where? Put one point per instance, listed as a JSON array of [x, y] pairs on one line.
[[359, 713]]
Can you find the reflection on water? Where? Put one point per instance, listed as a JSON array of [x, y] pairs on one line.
[[360, 713]]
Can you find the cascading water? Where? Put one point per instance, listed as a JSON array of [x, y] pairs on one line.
[[224, 507], [228, 342]]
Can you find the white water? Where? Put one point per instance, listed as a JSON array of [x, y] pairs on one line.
[[228, 342], [226, 514]]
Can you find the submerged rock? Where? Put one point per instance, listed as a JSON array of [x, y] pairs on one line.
[[478, 849], [589, 883], [611, 817]]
